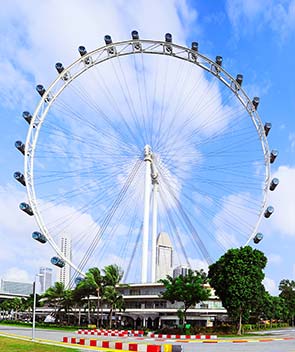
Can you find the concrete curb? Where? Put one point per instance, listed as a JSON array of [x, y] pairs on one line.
[[112, 345], [182, 337], [103, 332]]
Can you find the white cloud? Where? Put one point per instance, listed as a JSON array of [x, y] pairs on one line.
[[17, 274], [270, 285], [283, 220], [250, 16]]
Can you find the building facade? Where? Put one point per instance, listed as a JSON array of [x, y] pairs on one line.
[[16, 288], [145, 308], [180, 270], [164, 256], [64, 274], [46, 278]]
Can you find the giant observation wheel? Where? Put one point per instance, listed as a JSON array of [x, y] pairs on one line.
[[141, 137]]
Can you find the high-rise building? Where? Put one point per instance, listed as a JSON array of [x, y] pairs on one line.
[[164, 256], [45, 279], [180, 270], [17, 288], [64, 274]]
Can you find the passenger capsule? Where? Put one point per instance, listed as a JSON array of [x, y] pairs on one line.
[[19, 145], [58, 262], [258, 237], [267, 127], [108, 39], [218, 60], [269, 210], [195, 46], [59, 67], [239, 79], [255, 102], [135, 35], [27, 116], [273, 156], [20, 177], [26, 208], [168, 37], [82, 50], [40, 89], [38, 236], [274, 183]]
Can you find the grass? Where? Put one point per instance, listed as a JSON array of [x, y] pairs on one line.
[[39, 326], [15, 345]]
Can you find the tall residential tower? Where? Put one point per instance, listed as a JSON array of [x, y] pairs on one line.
[[45, 278], [164, 256], [64, 274]]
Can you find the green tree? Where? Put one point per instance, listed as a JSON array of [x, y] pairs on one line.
[[58, 297], [188, 289], [112, 276], [287, 289], [237, 279], [86, 288], [78, 301], [17, 305], [274, 308], [115, 301], [93, 284]]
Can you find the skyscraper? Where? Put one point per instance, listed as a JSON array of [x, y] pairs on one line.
[[64, 274], [180, 270], [46, 278], [164, 256]]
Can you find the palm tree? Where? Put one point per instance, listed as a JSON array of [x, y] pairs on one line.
[[113, 275], [93, 285], [58, 297], [115, 301], [78, 301]]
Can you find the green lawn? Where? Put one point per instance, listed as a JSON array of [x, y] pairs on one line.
[[15, 345]]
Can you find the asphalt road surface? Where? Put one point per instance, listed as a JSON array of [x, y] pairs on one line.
[[275, 340]]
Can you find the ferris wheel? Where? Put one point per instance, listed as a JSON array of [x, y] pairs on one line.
[[140, 137]]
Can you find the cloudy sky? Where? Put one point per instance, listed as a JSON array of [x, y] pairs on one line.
[[254, 38]]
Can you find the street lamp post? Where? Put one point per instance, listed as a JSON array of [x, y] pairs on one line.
[[34, 306]]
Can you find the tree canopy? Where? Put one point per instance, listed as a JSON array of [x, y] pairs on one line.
[[287, 288], [237, 280], [188, 289]]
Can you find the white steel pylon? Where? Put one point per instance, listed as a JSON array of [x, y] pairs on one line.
[[151, 177]]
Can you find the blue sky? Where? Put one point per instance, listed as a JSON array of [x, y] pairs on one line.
[[254, 38]]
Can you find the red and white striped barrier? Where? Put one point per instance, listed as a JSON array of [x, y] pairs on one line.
[[182, 337], [112, 344], [103, 332]]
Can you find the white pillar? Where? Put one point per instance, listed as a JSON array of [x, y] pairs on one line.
[[154, 228], [147, 191]]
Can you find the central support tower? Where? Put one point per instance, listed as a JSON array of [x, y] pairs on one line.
[[151, 178]]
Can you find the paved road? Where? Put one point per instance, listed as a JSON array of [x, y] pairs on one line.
[[273, 342]]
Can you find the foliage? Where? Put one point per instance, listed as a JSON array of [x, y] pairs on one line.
[[188, 289], [237, 280], [58, 297], [287, 289], [104, 287], [274, 308], [113, 275], [93, 284]]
